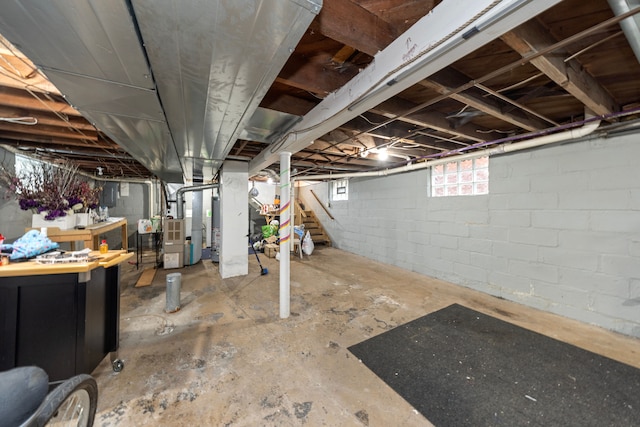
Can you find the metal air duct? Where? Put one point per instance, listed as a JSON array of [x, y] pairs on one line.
[[630, 26], [172, 82]]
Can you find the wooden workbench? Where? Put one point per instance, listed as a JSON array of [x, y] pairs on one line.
[[32, 268], [61, 317], [90, 235]]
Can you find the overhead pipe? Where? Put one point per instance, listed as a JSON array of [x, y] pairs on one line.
[[180, 198], [590, 125], [631, 25]]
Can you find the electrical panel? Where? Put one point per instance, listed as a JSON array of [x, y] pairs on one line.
[[109, 195]]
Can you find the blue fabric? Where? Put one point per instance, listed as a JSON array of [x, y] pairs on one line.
[[31, 244]]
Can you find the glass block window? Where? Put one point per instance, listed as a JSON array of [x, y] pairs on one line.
[[340, 189], [461, 178]]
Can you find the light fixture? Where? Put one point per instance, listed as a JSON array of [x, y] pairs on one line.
[[364, 152], [383, 154], [254, 191], [269, 180], [99, 170]]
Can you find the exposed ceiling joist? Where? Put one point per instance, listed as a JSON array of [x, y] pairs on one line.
[[427, 47], [445, 81], [484, 93], [533, 37]]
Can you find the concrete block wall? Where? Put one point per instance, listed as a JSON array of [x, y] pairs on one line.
[[133, 206], [559, 231]]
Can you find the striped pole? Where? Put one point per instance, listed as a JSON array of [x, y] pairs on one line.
[[285, 234]]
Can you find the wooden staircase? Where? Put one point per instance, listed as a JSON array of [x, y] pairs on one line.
[[312, 225]]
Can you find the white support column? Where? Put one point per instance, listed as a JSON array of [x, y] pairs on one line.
[[234, 219], [286, 231]]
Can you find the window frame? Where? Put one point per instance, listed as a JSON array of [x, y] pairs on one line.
[[466, 177], [340, 190]]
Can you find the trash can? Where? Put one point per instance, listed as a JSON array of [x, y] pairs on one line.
[[173, 292]]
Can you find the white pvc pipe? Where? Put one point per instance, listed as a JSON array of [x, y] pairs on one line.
[[504, 148], [285, 234]]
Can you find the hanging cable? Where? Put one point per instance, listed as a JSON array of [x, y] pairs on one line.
[[27, 121]]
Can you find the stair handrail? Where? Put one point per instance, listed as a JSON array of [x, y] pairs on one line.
[[299, 209], [322, 205]]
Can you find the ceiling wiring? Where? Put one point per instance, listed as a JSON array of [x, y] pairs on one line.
[[27, 121]]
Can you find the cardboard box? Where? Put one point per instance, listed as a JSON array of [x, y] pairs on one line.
[[270, 250]]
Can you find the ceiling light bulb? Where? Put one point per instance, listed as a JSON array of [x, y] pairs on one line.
[[382, 153], [254, 191], [269, 180], [364, 152]]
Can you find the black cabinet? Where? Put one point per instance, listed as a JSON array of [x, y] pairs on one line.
[[63, 323]]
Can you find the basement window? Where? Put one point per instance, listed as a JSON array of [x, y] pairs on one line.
[[340, 190], [461, 178]]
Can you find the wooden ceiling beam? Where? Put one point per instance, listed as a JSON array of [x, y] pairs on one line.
[[18, 139], [332, 157], [368, 39], [70, 151], [287, 103], [315, 75], [445, 81], [10, 97], [351, 24], [45, 118], [316, 167], [395, 107], [533, 37], [53, 131]]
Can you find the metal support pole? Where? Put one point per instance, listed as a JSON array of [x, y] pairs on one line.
[[285, 234]]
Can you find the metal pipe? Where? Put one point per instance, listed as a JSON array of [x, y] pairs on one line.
[[196, 227], [631, 25], [285, 234], [180, 199]]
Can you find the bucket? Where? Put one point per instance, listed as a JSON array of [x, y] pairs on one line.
[[173, 292]]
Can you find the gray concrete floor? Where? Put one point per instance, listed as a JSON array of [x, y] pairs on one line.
[[227, 359]]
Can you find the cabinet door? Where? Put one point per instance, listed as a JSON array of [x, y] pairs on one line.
[[47, 324], [8, 322], [92, 316]]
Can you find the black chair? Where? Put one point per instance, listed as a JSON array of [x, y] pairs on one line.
[[26, 402]]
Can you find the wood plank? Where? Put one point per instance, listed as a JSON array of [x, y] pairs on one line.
[[351, 24], [146, 278]]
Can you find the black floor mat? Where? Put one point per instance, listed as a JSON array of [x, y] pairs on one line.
[[459, 367]]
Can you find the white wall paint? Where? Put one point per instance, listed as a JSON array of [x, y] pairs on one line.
[[559, 231]]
